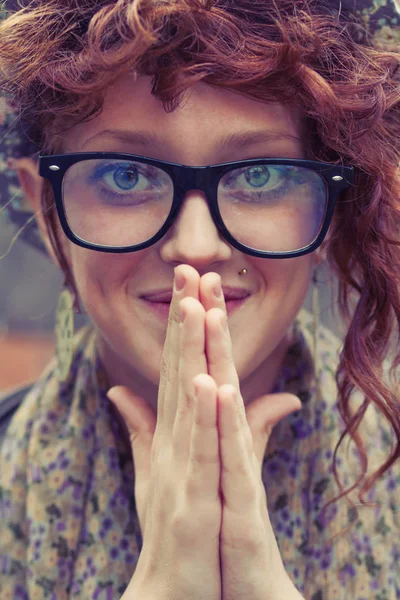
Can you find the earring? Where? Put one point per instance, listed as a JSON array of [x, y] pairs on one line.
[[316, 315], [243, 272], [64, 331]]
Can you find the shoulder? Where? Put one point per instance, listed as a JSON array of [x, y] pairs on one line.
[[9, 403]]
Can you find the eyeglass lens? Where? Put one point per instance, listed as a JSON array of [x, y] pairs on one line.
[[120, 203]]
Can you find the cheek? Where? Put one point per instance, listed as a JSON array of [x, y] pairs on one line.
[[281, 291], [96, 275], [282, 277], [282, 294], [105, 281]]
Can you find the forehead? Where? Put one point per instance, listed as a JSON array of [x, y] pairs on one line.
[[204, 116]]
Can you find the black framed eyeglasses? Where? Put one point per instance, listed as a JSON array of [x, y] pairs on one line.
[[269, 207]]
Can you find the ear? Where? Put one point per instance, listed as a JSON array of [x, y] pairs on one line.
[[32, 185]]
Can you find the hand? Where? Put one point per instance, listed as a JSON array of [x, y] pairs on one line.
[[236, 578], [251, 564], [177, 467]]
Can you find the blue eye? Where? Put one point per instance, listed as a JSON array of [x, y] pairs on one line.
[[125, 182], [257, 176], [126, 178], [258, 183]]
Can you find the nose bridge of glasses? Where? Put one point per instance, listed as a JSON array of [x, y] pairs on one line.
[[204, 179], [194, 178]]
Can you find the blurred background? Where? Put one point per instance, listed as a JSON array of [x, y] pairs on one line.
[[30, 285]]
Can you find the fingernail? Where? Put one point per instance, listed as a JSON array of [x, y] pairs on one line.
[[179, 281], [217, 290]]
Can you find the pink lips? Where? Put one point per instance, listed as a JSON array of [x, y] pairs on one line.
[[159, 300], [230, 293], [162, 308]]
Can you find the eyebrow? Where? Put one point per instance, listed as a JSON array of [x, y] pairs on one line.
[[239, 139]]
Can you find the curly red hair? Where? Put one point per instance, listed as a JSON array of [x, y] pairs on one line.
[[58, 56]]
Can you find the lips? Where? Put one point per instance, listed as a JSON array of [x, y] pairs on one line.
[[162, 309], [158, 297], [165, 296]]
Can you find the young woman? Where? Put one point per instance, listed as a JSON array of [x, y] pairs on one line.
[[195, 162]]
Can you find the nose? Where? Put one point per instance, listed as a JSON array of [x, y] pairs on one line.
[[193, 238]]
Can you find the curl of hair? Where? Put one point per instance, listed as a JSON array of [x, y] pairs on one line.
[[58, 56]]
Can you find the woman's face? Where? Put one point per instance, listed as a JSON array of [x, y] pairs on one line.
[[110, 286]]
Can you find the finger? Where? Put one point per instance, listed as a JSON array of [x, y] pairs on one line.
[[238, 484], [220, 363], [219, 349], [192, 362], [168, 385], [208, 295], [203, 468], [220, 366]]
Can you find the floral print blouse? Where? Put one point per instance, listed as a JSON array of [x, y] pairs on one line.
[[68, 521]]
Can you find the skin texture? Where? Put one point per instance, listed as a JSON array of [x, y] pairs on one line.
[[242, 361], [202, 455], [130, 338]]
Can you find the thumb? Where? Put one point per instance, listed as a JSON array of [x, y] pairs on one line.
[[264, 413], [141, 423]]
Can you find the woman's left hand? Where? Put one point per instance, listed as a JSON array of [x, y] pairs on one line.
[[251, 564]]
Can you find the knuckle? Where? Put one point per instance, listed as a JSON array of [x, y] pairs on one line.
[[249, 488], [218, 312], [193, 308], [183, 527], [243, 538], [167, 369], [199, 459], [243, 543], [174, 314], [164, 368], [184, 407], [224, 355], [187, 530]]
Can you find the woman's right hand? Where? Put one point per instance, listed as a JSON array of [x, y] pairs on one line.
[[177, 465]]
